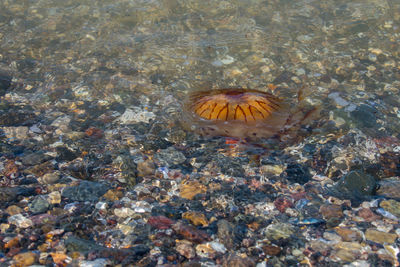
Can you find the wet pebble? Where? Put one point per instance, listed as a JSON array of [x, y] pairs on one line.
[[391, 206], [170, 156], [226, 233], [190, 189], [348, 234], [25, 259], [85, 191], [185, 248], [379, 236], [49, 178], [160, 222], [39, 204], [237, 261], [357, 183], [13, 209], [278, 231], [331, 211], [95, 263], [389, 188], [190, 233], [20, 221], [136, 114]]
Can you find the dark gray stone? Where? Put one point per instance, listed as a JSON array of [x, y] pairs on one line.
[[297, 173], [357, 183], [85, 191]]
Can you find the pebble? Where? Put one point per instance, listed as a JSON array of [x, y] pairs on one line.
[[357, 183], [85, 191], [160, 222], [113, 195], [13, 210], [20, 221], [190, 233], [237, 261], [124, 212], [95, 263], [25, 259], [349, 235], [49, 178], [391, 206], [297, 173], [146, 168], [226, 233], [136, 114], [185, 248], [389, 188], [380, 237], [331, 211], [190, 189], [196, 218], [169, 157], [368, 215], [39, 204], [19, 132], [278, 231]]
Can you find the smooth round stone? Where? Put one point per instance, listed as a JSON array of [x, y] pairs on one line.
[[50, 178]]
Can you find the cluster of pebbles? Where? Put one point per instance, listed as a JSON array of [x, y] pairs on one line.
[[97, 171]]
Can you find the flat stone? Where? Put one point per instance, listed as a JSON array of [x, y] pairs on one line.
[[389, 188], [348, 234], [190, 189], [331, 211], [278, 231], [49, 178], [380, 237], [85, 191], [357, 183], [368, 215], [95, 263]]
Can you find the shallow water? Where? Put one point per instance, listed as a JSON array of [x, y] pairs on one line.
[[106, 80]]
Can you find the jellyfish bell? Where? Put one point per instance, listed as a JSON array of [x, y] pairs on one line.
[[239, 113]]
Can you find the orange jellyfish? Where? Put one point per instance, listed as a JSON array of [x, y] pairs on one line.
[[240, 113]]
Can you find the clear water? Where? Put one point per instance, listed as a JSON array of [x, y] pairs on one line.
[[151, 53]]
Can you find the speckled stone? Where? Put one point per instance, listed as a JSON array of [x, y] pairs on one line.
[[380, 237]]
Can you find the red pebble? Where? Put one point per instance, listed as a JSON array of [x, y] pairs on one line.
[[94, 132], [191, 233], [282, 203], [160, 222]]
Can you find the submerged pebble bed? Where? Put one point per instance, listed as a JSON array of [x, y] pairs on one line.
[[97, 170]]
